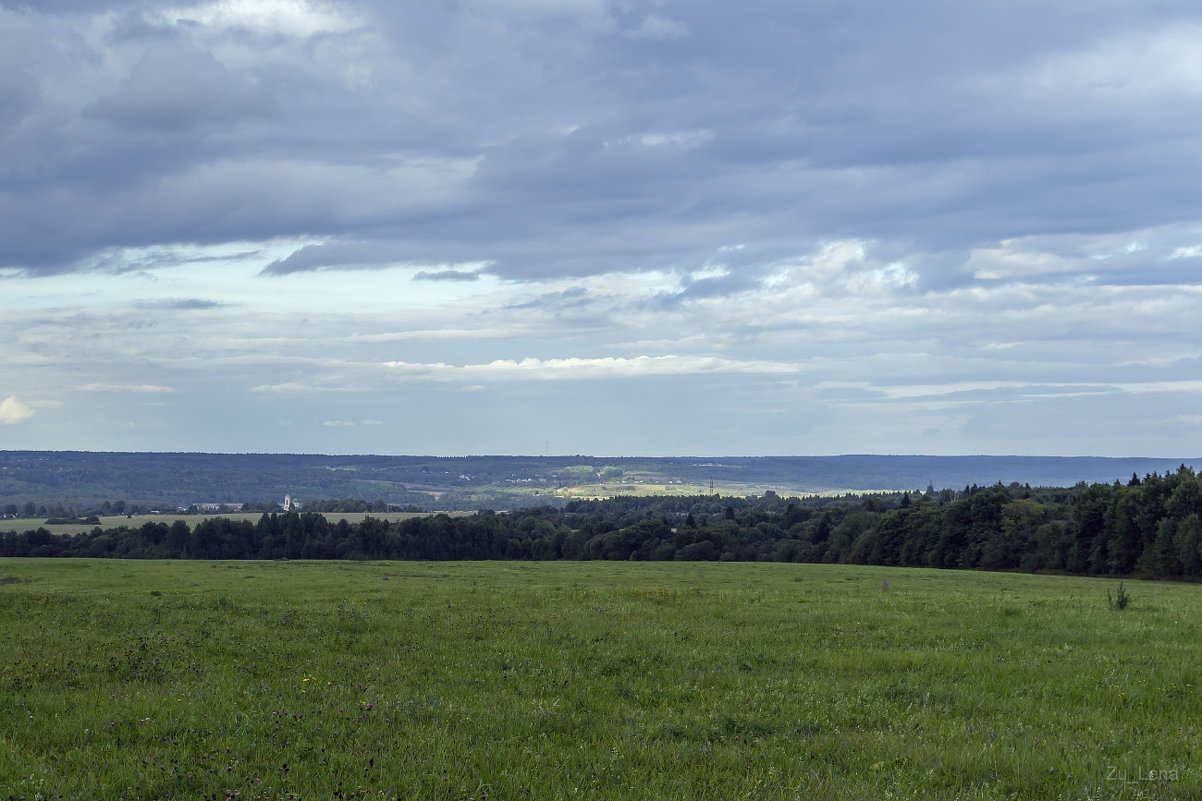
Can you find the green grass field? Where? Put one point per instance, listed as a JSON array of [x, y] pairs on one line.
[[257, 680]]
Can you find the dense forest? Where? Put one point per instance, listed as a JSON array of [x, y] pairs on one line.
[[1148, 527]]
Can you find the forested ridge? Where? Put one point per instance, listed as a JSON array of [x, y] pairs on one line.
[[1149, 527]]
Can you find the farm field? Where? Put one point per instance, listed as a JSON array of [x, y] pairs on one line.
[[499, 680], [610, 490], [136, 521]]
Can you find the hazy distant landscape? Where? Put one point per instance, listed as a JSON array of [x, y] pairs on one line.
[[167, 481], [574, 508]]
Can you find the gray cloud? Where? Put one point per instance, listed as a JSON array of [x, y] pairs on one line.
[[600, 138], [446, 275], [177, 86], [574, 296], [882, 195], [182, 304], [18, 97], [363, 255]]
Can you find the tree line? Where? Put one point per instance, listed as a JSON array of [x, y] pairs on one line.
[[1149, 527]]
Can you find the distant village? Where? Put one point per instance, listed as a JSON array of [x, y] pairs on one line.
[[290, 504]]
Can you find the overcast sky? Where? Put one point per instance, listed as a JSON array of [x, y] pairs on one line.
[[610, 227]]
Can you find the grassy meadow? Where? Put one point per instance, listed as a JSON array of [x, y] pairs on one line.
[[598, 680]]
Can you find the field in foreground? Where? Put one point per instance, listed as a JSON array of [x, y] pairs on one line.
[[501, 680]]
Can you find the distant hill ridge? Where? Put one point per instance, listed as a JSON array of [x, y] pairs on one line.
[[82, 479]]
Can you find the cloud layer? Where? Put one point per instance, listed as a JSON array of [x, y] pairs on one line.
[[801, 229]]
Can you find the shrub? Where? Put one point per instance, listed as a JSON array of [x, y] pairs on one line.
[[1121, 600]]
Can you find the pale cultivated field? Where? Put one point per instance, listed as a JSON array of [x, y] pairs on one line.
[[137, 521]]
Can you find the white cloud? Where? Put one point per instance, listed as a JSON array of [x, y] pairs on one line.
[[440, 334], [338, 423], [1188, 386], [896, 274], [296, 18], [592, 368], [1187, 252], [680, 140], [1134, 65], [13, 411], [1009, 261], [314, 385], [977, 392], [147, 388], [533, 369]]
